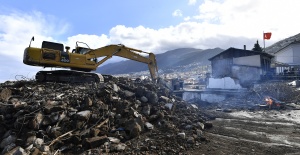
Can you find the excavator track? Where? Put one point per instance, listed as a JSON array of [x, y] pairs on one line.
[[69, 76]]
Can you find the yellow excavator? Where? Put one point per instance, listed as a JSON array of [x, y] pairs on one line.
[[81, 61]]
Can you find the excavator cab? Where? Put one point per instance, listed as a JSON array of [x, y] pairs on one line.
[[80, 49]]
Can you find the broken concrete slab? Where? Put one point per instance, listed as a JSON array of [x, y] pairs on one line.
[[128, 93], [149, 126], [5, 94], [181, 135], [114, 140], [17, 151], [95, 141], [144, 99], [164, 99], [83, 115], [8, 140], [118, 147], [169, 106]]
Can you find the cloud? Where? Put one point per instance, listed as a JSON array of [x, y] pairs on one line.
[[219, 23], [251, 17], [192, 2], [16, 30], [188, 18], [177, 13], [93, 41], [185, 34]]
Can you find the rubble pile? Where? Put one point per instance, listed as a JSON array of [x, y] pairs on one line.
[[279, 90], [256, 96], [117, 116]]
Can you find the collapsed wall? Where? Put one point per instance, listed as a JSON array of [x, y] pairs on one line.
[[117, 116]]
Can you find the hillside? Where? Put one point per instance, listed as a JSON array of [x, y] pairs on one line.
[[167, 60]]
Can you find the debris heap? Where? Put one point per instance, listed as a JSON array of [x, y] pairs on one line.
[[119, 116], [280, 91]]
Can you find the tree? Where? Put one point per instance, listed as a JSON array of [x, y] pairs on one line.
[[257, 47]]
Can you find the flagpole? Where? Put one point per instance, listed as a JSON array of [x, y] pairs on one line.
[[264, 41]]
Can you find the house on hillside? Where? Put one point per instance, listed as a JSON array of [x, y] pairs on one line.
[[242, 65], [287, 59]]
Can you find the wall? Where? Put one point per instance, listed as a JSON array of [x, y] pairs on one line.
[[296, 53], [186, 96], [289, 56], [253, 60], [246, 73], [223, 83], [212, 98], [241, 77], [221, 68], [208, 97], [285, 55]]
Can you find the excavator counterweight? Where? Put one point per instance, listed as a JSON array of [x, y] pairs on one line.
[[81, 61]]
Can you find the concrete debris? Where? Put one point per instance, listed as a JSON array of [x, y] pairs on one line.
[[190, 140], [38, 142], [119, 147], [17, 151], [164, 99], [144, 99], [181, 135], [128, 93], [200, 125], [169, 106], [120, 115], [5, 94], [95, 141], [194, 106], [149, 126], [84, 115], [114, 140], [7, 141]]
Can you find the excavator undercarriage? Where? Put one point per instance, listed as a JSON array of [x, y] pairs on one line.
[[68, 76]]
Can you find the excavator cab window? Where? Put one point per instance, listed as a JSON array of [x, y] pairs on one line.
[[82, 50], [52, 45]]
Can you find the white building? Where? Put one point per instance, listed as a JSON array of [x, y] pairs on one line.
[[287, 59]]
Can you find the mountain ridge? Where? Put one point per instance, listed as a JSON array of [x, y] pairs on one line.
[[166, 60]]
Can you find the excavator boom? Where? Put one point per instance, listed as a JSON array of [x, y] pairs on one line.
[[125, 52], [81, 61]]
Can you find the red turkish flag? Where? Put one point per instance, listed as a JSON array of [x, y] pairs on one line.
[[267, 35]]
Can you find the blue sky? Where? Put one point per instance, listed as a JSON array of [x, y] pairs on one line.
[[98, 17], [155, 26]]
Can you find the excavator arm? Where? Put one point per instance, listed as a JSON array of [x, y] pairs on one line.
[[122, 51]]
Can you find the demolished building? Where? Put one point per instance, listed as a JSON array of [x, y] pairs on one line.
[[243, 66]]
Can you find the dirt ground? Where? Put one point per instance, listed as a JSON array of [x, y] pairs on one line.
[[258, 132]]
